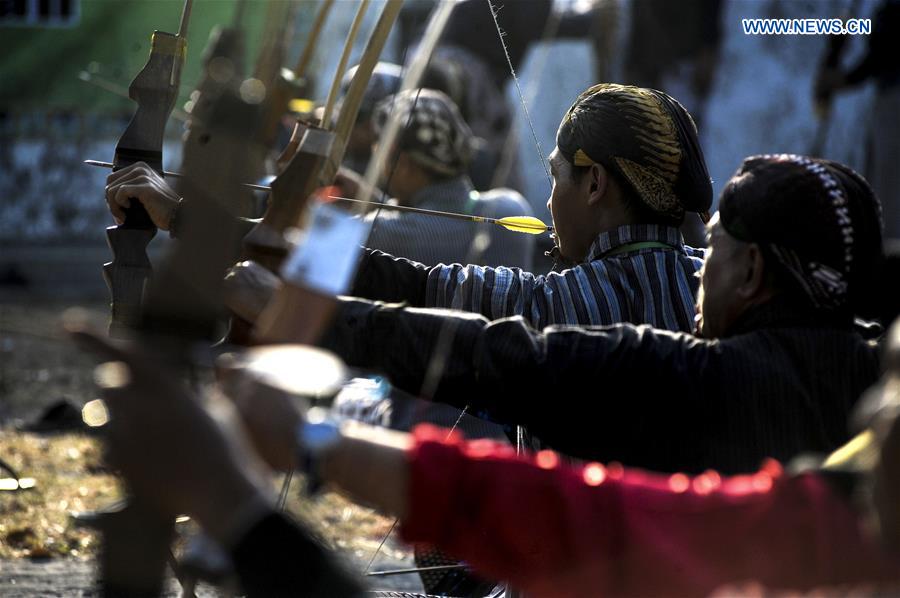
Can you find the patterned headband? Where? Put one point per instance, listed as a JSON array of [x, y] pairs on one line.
[[826, 286]]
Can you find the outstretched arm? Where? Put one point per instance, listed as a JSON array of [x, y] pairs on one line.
[[579, 389]]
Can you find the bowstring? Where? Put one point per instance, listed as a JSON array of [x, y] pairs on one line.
[[507, 154], [390, 177], [437, 363], [374, 226], [550, 29], [512, 71], [438, 360]]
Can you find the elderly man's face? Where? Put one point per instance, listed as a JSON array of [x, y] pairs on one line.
[[723, 272]]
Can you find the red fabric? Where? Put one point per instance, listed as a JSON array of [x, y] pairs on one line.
[[554, 529]]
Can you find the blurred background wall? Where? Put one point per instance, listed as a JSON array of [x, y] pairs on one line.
[[62, 80]]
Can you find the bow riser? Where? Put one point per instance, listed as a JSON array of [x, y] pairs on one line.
[[290, 191], [180, 314], [155, 90]]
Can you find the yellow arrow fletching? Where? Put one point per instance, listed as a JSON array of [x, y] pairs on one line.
[[523, 224]]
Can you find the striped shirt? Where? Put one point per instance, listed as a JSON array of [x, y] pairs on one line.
[[620, 282]]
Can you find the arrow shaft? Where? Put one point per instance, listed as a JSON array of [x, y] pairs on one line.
[[413, 210], [454, 215], [396, 208], [176, 175]]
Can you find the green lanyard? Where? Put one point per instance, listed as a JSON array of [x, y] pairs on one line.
[[638, 246]]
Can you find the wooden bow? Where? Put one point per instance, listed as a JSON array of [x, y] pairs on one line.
[[318, 156], [223, 55], [183, 303], [155, 90], [182, 311]]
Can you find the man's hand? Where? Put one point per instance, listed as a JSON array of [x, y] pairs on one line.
[[142, 183], [270, 417], [369, 464], [248, 289], [170, 449]]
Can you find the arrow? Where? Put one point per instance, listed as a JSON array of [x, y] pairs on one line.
[[519, 224], [173, 174]]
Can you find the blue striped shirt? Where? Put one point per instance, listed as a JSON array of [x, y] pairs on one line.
[[618, 283]]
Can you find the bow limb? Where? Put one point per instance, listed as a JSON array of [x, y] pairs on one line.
[[129, 567], [320, 152], [298, 314], [271, 85], [313, 40], [342, 63], [313, 164], [436, 25], [224, 53]]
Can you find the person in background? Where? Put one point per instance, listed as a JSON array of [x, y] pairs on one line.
[[777, 369], [881, 64]]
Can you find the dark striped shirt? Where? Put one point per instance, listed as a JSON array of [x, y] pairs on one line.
[[784, 382], [619, 283]]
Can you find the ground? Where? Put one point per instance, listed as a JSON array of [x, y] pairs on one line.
[[41, 552]]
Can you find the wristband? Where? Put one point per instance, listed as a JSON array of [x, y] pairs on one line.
[[316, 435]]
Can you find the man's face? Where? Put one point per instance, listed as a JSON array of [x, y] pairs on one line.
[[568, 205], [722, 273]]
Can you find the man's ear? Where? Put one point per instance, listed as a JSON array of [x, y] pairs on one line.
[[754, 283], [597, 180]]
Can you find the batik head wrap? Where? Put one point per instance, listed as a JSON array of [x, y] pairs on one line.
[[432, 131], [818, 220], [647, 139]]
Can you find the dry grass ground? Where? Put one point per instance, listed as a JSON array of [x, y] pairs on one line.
[[68, 476], [38, 367]]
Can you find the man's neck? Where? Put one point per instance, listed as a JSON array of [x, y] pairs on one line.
[[607, 222]]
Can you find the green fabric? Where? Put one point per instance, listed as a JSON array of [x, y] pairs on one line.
[[41, 64]]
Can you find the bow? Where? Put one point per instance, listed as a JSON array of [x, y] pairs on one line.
[[312, 156], [318, 155], [155, 90], [223, 55], [182, 308], [184, 300], [302, 312], [437, 361]]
